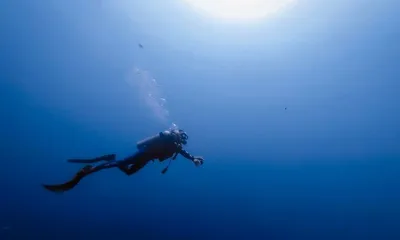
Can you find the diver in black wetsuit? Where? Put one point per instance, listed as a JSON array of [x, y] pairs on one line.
[[167, 144]]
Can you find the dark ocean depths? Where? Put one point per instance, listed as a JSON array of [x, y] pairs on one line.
[[297, 117]]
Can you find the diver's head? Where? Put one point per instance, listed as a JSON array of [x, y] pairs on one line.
[[182, 136]]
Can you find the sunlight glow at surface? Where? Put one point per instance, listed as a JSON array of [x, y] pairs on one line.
[[240, 9]]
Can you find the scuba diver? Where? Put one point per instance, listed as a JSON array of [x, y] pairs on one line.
[[166, 144]]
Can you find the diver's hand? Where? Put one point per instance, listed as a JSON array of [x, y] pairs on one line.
[[198, 161]]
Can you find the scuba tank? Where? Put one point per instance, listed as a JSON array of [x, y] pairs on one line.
[[151, 141]]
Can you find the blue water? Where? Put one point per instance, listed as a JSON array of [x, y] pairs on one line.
[[326, 167]]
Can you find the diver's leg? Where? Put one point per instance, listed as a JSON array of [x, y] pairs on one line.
[[88, 169], [138, 161], [85, 171], [134, 163], [108, 157], [102, 166], [131, 169], [137, 158]]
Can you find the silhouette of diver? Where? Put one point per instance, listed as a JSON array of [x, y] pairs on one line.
[[167, 144]]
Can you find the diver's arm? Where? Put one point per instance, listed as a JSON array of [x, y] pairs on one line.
[[187, 155], [196, 160]]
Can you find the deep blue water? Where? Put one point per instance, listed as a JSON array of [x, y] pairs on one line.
[[327, 167]]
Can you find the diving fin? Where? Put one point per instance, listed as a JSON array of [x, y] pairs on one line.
[[59, 188], [108, 157]]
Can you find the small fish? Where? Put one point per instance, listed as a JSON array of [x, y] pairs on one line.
[[140, 45]]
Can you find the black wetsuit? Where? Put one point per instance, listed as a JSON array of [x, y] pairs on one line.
[[166, 148], [138, 160]]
